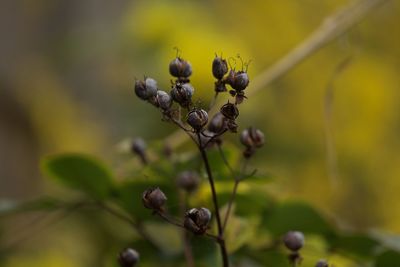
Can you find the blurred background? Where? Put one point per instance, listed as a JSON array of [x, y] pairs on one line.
[[67, 70]]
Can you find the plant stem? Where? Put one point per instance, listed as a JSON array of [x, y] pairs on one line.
[[187, 249], [234, 192], [221, 240]]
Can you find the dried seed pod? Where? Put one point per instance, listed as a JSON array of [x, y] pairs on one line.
[[294, 240], [322, 263], [153, 198], [252, 137], [220, 86], [197, 118], [218, 123], [182, 94], [230, 111], [240, 81], [188, 180], [179, 67], [146, 89], [197, 220], [219, 67], [128, 258], [164, 100]]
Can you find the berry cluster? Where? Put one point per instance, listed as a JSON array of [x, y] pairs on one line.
[[177, 107]]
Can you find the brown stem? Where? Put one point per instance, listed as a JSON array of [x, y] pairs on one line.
[[187, 249], [221, 240], [234, 192]]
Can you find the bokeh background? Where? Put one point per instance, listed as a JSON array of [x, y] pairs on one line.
[[66, 85]]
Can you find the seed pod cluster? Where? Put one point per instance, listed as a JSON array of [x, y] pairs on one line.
[[128, 258], [238, 80], [252, 139], [197, 220], [154, 198]]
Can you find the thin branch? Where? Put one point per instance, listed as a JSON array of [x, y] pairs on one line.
[[221, 242], [331, 157], [187, 248], [331, 28], [234, 192]]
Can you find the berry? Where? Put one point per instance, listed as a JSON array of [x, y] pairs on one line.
[[179, 67], [182, 94], [219, 67], [252, 137], [146, 89], [197, 118], [322, 263], [138, 146], [188, 180], [153, 198], [128, 258], [218, 123], [240, 81], [163, 100], [294, 240], [197, 220]]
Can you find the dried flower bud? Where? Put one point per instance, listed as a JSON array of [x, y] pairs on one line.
[[322, 263], [179, 67], [146, 89], [153, 198], [294, 240], [252, 137], [230, 111], [164, 100], [219, 67], [188, 180], [182, 94], [197, 118], [197, 220], [218, 123], [128, 258]]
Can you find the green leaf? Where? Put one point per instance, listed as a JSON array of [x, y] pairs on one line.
[[295, 216], [80, 172], [388, 259], [41, 204], [358, 245]]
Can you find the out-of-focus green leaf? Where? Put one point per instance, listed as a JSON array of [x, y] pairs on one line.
[[167, 237], [80, 172], [269, 258], [355, 244], [388, 258], [40, 204], [239, 230], [295, 216]]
